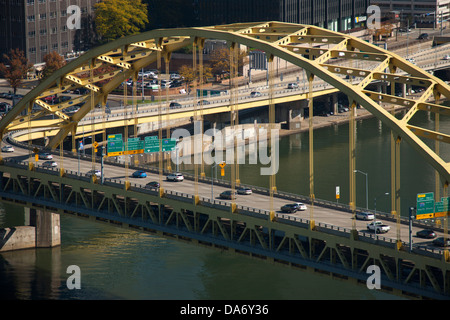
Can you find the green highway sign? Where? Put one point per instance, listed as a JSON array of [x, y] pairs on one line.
[[135, 144], [115, 137], [441, 208], [425, 205], [151, 144], [169, 144], [114, 145]]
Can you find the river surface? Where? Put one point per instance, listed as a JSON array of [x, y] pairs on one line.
[[122, 264]]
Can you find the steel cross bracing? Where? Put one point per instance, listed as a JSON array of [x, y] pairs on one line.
[[326, 249], [347, 63], [328, 55]]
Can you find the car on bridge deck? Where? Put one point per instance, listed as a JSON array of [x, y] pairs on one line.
[[175, 105], [254, 94], [97, 173], [139, 174], [227, 195], [365, 216], [152, 184], [441, 242], [50, 164], [175, 177], [244, 190], [8, 149], [290, 208], [204, 102], [426, 233], [378, 227], [446, 57], [45, 156], [292, 85], [301, 206]]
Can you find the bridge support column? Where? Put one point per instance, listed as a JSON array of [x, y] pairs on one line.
[[47, 226], [292, 113], [334, 103]]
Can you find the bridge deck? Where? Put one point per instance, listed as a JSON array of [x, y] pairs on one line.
[[327, 214]]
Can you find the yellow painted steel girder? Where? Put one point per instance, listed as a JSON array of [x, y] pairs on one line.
[[328, 55]]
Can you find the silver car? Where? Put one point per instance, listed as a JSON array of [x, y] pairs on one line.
[[365, 216]]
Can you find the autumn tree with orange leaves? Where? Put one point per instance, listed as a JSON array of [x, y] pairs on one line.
[[15, 68], [53, 61]]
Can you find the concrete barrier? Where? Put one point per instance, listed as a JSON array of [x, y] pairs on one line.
[[22, 237]]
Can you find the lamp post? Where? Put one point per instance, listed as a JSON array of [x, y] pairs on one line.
[[367, 191], [375, 208]]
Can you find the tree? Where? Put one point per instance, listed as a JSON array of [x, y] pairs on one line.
[[53, 61], [189, 75], [15, 68], [119, 18], [220, 60]]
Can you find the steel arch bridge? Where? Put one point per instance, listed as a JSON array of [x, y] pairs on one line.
[[346, 62]]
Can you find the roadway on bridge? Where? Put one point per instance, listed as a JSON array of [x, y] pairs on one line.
[[255, 200]]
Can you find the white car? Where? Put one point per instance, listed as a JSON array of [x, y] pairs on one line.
[[378, 226], [175, 177], [447, 57], [301, 206], [7, 149], [94, 172], [49, 164], [45, 156], [365, 216]]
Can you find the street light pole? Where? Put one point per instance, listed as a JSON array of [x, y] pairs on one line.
[[367, 188], [212, 181], [375, 209]]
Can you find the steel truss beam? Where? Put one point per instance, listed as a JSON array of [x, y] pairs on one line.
[[334, 55], [318, 250]]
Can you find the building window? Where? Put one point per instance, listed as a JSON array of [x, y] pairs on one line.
[[31, 34], [32, 50], [30, 18], [43, 32], [42, 16], [44, 48]]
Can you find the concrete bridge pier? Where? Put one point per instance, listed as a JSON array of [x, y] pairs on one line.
[[47, 227], [41, 230], [333, 98], [291, 113]]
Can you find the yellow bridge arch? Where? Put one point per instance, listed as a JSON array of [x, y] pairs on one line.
[[314, 49]]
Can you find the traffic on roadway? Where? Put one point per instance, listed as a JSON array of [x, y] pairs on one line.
[[244, 196]]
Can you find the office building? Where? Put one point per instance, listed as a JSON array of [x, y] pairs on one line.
[[38, 27], [419, 13]]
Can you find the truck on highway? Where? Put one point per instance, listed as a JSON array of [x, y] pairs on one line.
[[378, 227]]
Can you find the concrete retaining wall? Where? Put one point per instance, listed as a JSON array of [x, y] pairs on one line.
[[23, 237]]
